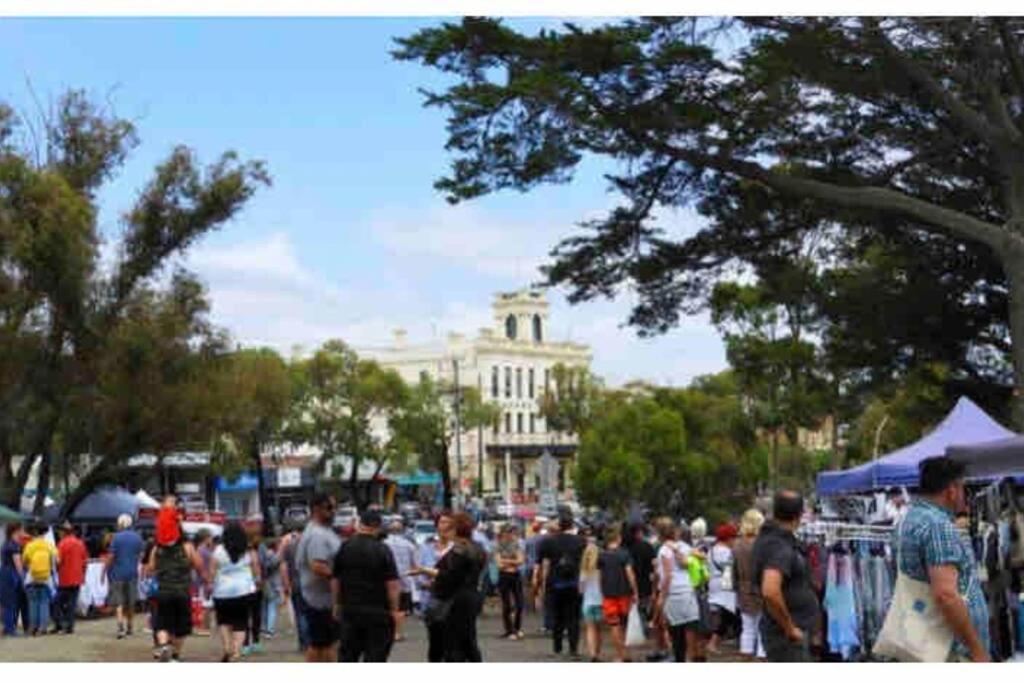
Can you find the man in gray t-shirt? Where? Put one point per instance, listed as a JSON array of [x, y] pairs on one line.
[[314, 559]]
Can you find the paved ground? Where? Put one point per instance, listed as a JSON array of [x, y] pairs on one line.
[[94, 641]]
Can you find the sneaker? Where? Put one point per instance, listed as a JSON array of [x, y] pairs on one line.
[[120, 632], [246, 650], [257, 648], [166, 654]]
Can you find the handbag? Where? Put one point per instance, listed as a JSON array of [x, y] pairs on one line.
[[914, 630], [726, 580], [438, 610]]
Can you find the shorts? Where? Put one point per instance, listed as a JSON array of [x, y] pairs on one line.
[[233, 612], [123, 593], [592, 614], [723, 622], [323, 627], [405, 603], [616, 609], [174, 615]]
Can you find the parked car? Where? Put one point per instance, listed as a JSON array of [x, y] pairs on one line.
[[346, 516], [423, 530]]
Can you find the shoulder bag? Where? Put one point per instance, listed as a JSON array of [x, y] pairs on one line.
[[914, 630]]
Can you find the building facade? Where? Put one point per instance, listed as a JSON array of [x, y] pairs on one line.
[[510, 364]]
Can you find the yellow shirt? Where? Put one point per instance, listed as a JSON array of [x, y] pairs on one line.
[[39, 556]]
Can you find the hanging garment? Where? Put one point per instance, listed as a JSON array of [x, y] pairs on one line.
[[840, 605]]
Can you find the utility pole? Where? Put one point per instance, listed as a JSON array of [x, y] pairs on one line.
[[458, 436], [480, 460]]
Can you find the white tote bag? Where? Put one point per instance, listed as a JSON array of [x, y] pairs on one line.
[[914, 629], [634, 628]]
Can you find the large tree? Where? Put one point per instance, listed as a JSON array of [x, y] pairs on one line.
[[885, 125], [64, 313], [340, 396]]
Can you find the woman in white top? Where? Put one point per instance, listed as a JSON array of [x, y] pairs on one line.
[[722, 586], [676, 604], [234, 568], [590, 587]]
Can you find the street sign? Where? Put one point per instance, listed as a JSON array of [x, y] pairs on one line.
[[289, 477]]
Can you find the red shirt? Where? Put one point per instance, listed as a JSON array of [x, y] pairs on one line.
[[73, 556]]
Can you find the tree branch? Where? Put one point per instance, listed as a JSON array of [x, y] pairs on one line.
[[968, 118], [1012, 56]]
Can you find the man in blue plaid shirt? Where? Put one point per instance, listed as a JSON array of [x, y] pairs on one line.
[[933, 551]]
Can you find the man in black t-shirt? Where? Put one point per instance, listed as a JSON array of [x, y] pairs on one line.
[[367, 590], [558, 559], [643, 554], [782, 573]]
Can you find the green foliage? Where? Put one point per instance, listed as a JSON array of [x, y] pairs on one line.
[[105, 360], [899, 136], [569, 403], [339, 396]]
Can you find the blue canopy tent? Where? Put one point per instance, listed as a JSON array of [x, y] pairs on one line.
[[105, 505], [965, 424]]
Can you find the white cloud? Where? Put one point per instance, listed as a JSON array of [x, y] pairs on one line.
[[263, 292]]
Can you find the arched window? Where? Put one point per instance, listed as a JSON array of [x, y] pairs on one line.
[[519, 382], [538, 335], [510, 327]]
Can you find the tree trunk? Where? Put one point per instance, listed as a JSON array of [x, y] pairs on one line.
[[104, 471], [43, 483], [1013, 265]]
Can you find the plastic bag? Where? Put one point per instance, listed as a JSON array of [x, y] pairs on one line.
[[634, 628]]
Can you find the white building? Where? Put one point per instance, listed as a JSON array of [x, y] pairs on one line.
[[510, 367]]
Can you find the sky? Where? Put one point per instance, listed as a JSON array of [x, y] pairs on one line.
[[351, 241]]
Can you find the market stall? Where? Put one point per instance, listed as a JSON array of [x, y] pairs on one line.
[[966, 424]]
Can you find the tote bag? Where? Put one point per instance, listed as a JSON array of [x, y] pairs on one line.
[[914, 629]]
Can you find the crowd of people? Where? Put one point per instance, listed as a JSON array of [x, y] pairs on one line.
[[667, 584]]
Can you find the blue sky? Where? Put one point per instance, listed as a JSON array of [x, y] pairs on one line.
[[351, 241]]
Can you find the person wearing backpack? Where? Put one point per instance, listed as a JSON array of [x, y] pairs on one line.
[[39, 558], [722, 587], [559, 556]]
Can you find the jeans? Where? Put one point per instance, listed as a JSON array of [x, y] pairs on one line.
[[65, 607], [511, 588], [566, 605], [11, 617], [270, 614], [38, 606], [252, 632], [366, 639]]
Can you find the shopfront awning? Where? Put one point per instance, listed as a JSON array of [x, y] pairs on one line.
[[420, 479], [243, 482]]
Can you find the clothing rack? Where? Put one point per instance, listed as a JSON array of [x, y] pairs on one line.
[[832, 532]]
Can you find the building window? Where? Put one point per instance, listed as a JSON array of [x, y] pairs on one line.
[[494, 382], [508, 423], [519, 422], [521, 481], [529, 383], [547, 381], [510, 327], [519, 382], [561, 477], [508, 382], [497, 478], [533, 423], [497, 425], [537, 332]]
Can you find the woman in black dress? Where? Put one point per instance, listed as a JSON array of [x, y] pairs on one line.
[[458, 583]]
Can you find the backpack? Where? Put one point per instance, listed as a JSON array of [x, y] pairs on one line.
[[40, 563], [565, 570]]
